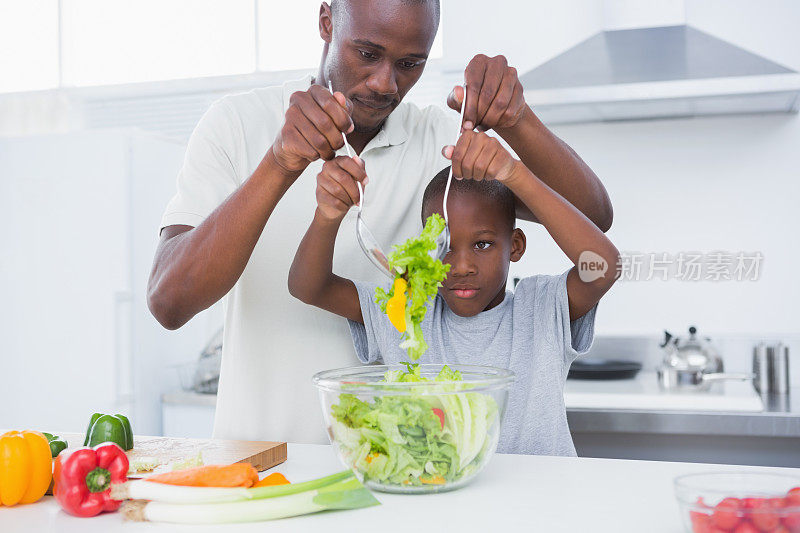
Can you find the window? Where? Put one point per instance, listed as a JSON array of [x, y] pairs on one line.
[[76, 43], [288, 34], [123, 41], [28, 45]]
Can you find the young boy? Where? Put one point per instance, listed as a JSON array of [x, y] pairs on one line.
[[536, 331]]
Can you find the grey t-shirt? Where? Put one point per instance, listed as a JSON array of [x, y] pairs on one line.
[[529, 333]]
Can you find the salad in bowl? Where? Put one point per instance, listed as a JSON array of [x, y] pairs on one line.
[[414, 428]]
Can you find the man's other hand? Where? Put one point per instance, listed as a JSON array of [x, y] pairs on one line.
[[494, 94]]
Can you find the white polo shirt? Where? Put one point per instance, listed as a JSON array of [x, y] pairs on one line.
[[274, 343]]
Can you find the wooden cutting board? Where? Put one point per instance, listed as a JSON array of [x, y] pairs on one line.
[[261, 454]]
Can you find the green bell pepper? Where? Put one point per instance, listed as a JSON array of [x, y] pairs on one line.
[[57, 444], [109, 428]]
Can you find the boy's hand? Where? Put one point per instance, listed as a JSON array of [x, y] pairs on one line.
[[337, 191], [477, 156]]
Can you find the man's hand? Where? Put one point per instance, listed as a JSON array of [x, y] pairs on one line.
[[494, 94], [477, 156], [312, 128], [337, 191]]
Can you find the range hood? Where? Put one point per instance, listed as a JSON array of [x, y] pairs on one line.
[[669, 71]]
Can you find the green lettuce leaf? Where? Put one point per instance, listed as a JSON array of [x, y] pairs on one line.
[[412, 261]]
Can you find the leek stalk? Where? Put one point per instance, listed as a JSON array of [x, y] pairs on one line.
[[208, 505]]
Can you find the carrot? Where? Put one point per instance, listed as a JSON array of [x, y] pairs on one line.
[[272, 479], [235, 475]]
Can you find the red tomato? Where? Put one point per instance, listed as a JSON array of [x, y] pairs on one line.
[[701, 522], [764, 514], [752, 503], [793, 497], [440, 414], [727, 514], [746, 527], [792, 522]]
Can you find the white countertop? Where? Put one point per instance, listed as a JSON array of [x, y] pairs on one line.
[[643, 392], [514, 493]]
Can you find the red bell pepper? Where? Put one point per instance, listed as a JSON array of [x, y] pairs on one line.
[[82, 478]]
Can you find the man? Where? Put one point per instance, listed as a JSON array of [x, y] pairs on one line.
[[246, 194]]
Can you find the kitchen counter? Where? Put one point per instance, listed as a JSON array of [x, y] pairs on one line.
[[515, 492], [699, 415]]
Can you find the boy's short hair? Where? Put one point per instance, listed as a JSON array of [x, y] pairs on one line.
[[489, 189]]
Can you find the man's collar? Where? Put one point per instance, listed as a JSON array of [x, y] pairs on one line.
[[393, 131]]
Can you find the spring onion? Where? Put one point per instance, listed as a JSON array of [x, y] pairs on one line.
[[143, 464], [207, 505], [191, 462]]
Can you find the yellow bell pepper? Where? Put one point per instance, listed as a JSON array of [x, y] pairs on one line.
[[26, 467], [396, 306]]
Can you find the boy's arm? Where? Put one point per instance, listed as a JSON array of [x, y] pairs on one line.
[[311, 277], [478, 156], [573, 232]]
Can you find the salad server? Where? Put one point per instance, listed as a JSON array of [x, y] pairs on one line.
[[369, 244], [443, 240]]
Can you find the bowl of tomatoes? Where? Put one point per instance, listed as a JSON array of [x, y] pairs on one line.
[[740, 502]]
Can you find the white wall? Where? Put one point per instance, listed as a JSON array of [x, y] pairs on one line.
[[767, 27], [527, 33], [625, 14], [725, 183]]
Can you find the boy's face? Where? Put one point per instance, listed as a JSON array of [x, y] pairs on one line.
[[481, 246]]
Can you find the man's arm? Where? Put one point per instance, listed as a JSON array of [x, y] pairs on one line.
[[495, 101], [311, 277], [195, 267]]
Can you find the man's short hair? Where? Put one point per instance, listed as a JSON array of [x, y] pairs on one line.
[[437, 8], [492, 190]]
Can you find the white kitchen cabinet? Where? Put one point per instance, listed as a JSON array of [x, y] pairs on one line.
[[188, 414], [79, 216]]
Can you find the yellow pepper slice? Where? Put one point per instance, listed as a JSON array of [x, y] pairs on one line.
[[25, 467], [396, 306]]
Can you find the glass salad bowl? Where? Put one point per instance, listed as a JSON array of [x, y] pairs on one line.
[[414, 428]]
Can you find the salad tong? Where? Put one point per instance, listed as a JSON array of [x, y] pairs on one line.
[[369, 244]]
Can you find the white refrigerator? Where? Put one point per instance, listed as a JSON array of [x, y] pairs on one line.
[[79, 217]]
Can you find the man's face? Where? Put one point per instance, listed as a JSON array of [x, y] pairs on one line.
[[377, 52], [481, 247]]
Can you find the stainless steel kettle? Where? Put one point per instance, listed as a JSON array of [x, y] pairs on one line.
[[691, 364], [693, 353]]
